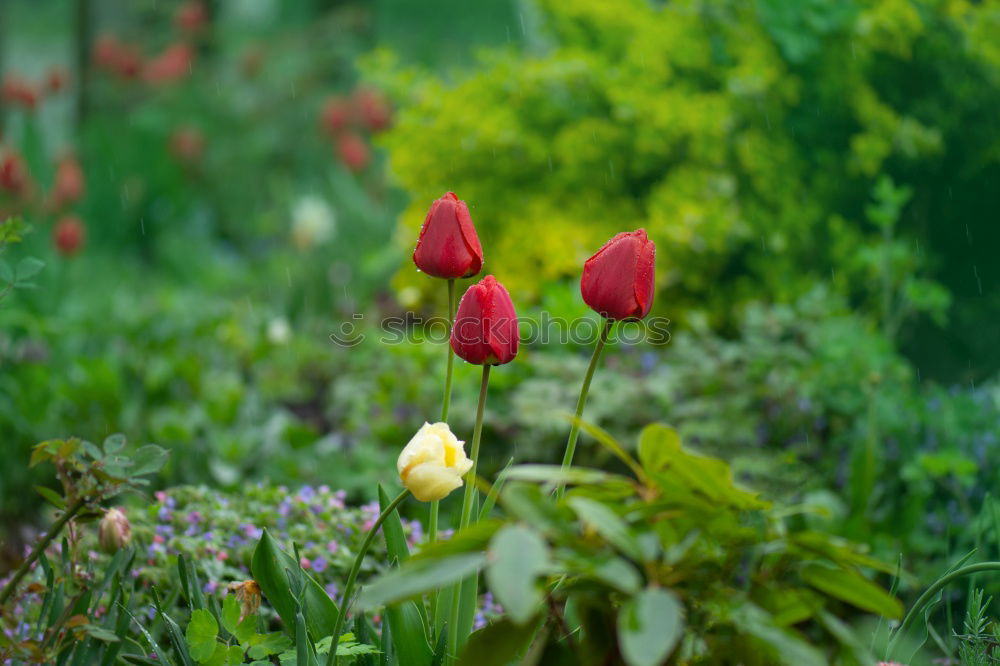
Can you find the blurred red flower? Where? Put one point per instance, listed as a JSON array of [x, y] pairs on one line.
[[14, 177], [69, 182], [68, 235], [173, 64], [19, 92], [55, 79], [373, 108], [353, 151], [336, 115], [191, 16]]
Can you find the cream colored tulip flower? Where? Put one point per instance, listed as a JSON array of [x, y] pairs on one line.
[[433, 463]]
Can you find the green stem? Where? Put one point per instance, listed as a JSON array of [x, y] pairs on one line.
[[432, 524], [470, 482], [40, 547], [574, 431], [345, 601], [930, 593]]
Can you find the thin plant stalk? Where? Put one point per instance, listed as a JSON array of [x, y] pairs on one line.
[[470, 482], [927, 597], [40, 547], [352, 577], [574, 431], [432, 524]]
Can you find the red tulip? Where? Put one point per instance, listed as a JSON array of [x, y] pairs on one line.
[[14, 177], [448, 246], [18, 91], [336, 115], [486, 331], [69, 183], [353, 151], [373, 109], [191, 16], [618, 281], [68, 235], [171, 65]]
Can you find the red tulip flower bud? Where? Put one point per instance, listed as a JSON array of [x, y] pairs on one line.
[[336, 115], [486, 331], [618, 281], [69, 182], [448, 246], [68, 235]]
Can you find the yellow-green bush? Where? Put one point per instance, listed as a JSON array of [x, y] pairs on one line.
[[745, 137]]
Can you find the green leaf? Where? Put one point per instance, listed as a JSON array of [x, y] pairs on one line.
[[201, 635], [517, 556], [28, 268], [268, 566], [409, 633], [264, 645], [114, 443], [51, 496], [392, 529], [649, 626], [556, 474], [247, 628], [148, 460], [230, 614], [852, 588], [608, 524], [657, 443], [416, 577], [497, 644], [788, 646]]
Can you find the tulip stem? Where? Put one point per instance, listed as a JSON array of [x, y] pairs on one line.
[[454, 640], [574, 431], [432, 524], [345, 601]]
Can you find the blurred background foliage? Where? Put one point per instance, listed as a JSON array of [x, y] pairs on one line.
[[216, 188]]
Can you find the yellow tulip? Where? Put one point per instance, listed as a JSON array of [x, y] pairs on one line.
[[433, 463]]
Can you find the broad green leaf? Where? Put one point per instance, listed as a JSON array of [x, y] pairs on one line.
[[852, 588], [268, 566], [248, 628], [657, 443], [28, 268], [230, 614], [114, 443], [608, 524], [498, 644], [472, 539], [264, 645], [649, 626], [605, 439], [789, 648], [148, 460], [201, 635], [517, 556], [409, 633], [416, 577], [708, 477]]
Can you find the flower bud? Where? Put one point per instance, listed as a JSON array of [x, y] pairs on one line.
[[336, 115], [69, 182], [618, 281], [486, 330], [114, 532], [448, 246], [433, 463]]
